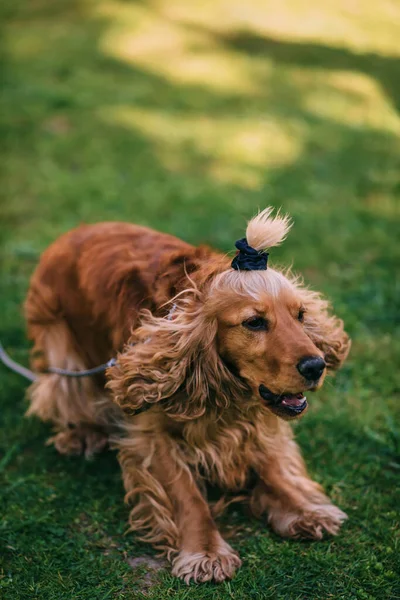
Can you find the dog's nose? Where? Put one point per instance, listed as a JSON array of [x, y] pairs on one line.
[[311, 367]]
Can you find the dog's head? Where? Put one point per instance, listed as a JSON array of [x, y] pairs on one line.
[[265, 341], [235, 334], [274, 334]]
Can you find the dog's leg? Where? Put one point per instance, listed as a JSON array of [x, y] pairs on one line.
[[81, 412], [297, 506], [170, 509]]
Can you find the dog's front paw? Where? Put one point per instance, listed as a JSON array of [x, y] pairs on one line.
[[206, 566], [311, 523]]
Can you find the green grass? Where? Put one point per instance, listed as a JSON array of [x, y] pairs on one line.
[[188, 116]]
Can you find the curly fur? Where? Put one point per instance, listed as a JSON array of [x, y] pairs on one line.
[[108, 288]]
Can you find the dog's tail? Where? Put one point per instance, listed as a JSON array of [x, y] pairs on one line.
[[265, 231]]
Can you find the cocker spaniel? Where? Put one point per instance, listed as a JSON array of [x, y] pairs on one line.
[[213, 360]]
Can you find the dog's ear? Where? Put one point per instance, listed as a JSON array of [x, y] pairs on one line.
[[145, 373], [174, 360], [325, 330]]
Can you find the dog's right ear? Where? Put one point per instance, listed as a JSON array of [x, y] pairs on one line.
[[147, 371], [174, 354]]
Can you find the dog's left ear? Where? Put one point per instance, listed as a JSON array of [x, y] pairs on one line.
[[325, 330]]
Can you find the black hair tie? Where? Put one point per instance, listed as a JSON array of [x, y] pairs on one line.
[[249, 259]]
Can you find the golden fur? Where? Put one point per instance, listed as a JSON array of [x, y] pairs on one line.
[[178, 317]]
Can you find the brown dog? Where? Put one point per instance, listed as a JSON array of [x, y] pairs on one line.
[[221, 356]]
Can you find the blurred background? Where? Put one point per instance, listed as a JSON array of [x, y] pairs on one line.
[[188, 117]]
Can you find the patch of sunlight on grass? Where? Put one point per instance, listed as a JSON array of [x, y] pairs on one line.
[[350, 98], [141, 36], [230, 150], [367, 26]]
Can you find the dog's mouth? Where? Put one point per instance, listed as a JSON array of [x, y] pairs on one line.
[[286, 404]]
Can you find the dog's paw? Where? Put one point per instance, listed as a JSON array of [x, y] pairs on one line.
[[312, 523], [206, 566], [79, 440]]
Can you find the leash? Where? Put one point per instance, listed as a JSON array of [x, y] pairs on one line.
[[28, 374], [14, 366], [31, 376]]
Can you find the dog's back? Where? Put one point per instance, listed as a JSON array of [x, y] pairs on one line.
[[97, 277], [83, 302], [117, 266]]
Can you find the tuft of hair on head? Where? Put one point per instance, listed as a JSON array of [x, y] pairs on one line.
[[265, 231]]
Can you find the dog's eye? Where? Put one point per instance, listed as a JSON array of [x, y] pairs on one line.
[[256, 324], [301, 314]]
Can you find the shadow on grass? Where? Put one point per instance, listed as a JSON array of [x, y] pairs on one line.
[[384, 69]]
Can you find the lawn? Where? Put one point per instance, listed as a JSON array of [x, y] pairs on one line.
[[188, 117]]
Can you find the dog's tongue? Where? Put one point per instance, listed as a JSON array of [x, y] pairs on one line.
[[295, 401]]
